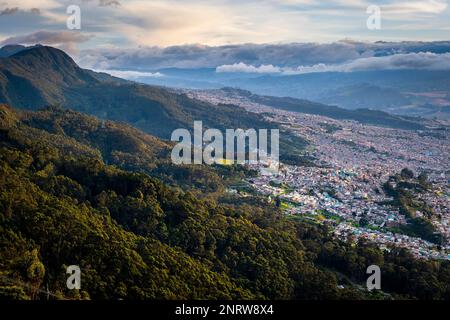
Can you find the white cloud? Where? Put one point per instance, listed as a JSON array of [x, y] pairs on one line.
[[244, 68], [412, 61], [132, 75], [416, 7], [416, 61]]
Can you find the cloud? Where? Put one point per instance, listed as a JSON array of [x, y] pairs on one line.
[[416, 7], [411, 61], [47, 37], [105, 3], [416, 61], [220, 22], [66, 40], [251, 57], [132, 75], [245, 68], [11, 11], [201, 56], [35, 11], [27, 5], [8, 11]]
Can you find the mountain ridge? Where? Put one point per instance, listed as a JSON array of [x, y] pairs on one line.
[[51, 77], [42, 76], [365, 116]]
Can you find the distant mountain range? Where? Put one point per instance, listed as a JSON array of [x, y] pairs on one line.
[[365, 116], [405, 92]]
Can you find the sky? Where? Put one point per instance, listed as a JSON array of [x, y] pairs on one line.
[[227, 34], [118, 23]]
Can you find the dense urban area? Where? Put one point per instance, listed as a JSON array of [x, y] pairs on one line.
[[354, 166]]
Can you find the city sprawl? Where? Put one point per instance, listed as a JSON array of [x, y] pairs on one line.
[[352, 162]]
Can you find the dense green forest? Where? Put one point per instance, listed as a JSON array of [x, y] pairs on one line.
[[404, 188], [76, 190]]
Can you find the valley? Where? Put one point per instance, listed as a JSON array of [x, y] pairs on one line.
[[352, 163], [86, 178]]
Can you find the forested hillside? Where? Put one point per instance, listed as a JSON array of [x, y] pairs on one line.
[[41, 76], [91, 193]]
